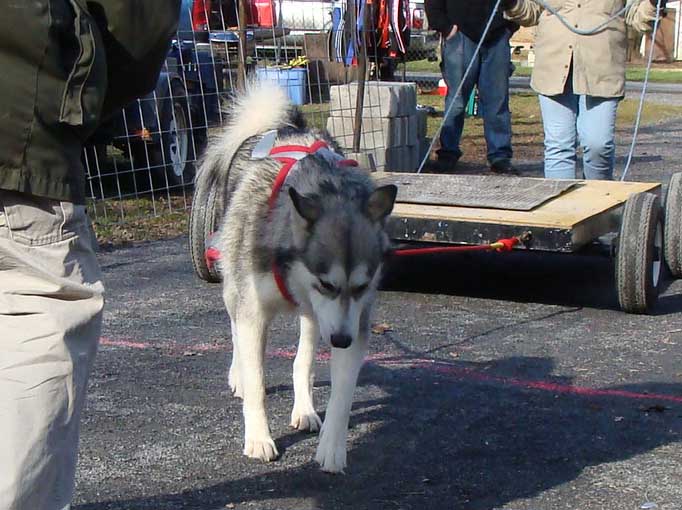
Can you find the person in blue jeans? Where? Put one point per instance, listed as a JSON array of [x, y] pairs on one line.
[[571, 119], [580, 79], [461, 24]]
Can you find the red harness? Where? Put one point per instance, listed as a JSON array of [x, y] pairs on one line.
[[289, 156]]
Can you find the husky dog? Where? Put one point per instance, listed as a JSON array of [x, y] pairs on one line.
[[315, 248]]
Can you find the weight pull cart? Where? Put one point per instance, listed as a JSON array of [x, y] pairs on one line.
[[565, 216]]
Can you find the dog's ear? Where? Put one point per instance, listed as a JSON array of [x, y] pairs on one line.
[[308, 208], [380, 203]]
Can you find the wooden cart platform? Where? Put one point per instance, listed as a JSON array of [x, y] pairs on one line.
[[428, 210]]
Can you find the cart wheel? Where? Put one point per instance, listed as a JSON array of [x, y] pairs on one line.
[[673, 226], [639, 257], [203, 221]]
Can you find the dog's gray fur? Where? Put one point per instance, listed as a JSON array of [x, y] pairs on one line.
[[326, 233]]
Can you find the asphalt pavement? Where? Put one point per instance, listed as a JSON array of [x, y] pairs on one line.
[[494, 381]]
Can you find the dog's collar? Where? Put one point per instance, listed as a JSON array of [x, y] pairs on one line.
[[289, 156]]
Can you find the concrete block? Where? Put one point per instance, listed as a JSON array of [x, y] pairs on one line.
[[362, 157], [402, 159], [376, 132], [424, 144], [381, 99], [393, 159], [422, 119]]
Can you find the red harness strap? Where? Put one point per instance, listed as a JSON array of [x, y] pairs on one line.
[[288, 163], [289, 156]]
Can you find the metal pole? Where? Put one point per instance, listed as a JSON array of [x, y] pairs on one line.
[[362, 70], [241, 64]]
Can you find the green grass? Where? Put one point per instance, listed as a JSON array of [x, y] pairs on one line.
[[655, 75], [316, 115], [527, 124], [422, 66], [662, 75], [144, 218]]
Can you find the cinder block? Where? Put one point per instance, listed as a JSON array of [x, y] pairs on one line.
[[424, 144], [362, 157], [381, 99], [393, 159], [376, 132], [422, 119], [402, 159]]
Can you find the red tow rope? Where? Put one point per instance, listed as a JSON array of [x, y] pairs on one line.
[[499, 245]]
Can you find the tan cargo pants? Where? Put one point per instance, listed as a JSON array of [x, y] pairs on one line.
[[51, 298]]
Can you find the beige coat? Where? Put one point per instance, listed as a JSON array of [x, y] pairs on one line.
[[598, 60]]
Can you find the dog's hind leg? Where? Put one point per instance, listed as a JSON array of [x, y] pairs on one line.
[[303, 415], [234, 377], [251, 331], [345, 367]]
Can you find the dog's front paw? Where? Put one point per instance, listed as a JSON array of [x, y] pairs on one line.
[[331, 457], [305, 419], [260, 448]]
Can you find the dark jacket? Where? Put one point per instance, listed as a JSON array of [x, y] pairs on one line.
[[470, 16], [66, 65]]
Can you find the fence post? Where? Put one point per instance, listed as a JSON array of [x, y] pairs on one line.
[[362, 71], [241, 64]]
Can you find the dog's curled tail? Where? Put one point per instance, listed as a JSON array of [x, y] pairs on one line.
[[262, 107]]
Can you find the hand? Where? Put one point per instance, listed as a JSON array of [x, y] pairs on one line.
[[655, 3], [453, 32]]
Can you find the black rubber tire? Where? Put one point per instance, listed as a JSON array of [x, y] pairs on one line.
[[177, 115], [672, 230], [204, 218], [174, 118], [639, 256]]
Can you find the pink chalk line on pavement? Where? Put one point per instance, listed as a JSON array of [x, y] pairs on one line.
[[390, 360]]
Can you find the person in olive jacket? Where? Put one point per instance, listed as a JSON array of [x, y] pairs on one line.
[[66, 65], [580, 79], [461, 24]]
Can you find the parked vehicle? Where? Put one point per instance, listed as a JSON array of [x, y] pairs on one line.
[[165, 130], [424, 43], [295, 18]]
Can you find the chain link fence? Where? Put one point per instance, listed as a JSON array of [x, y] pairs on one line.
[[142, 162]]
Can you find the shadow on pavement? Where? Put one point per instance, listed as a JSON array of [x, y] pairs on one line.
[[447, 434], [536, 277]]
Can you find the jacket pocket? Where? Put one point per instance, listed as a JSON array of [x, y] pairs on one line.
[[72, 111], [37, 221]]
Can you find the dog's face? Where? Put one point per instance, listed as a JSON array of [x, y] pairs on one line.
[[343, 244]]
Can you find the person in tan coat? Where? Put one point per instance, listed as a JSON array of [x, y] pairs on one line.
[[580, 78]]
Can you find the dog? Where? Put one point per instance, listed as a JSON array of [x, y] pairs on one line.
[[311, 243]]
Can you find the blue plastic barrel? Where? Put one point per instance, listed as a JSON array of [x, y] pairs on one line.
[[293, 80]]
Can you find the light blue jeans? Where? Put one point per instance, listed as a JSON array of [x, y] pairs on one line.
[[570, 120]]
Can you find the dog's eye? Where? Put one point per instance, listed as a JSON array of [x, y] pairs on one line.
[[329, 288], [358, 290]]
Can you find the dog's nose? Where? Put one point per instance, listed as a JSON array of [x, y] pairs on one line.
[[341, 341]]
